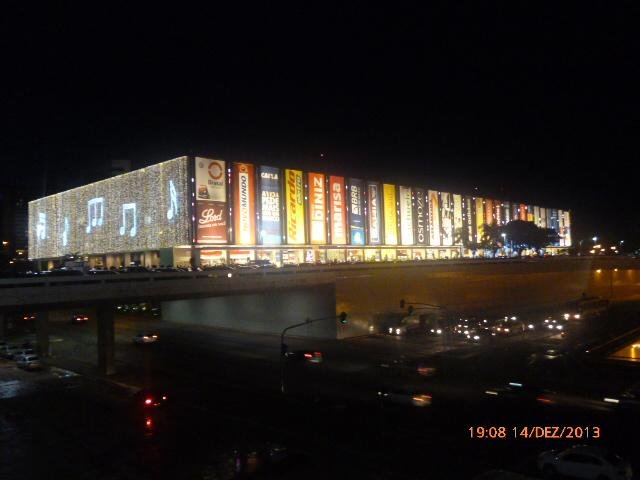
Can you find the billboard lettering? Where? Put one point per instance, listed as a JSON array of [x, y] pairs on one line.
[[406, 216], [390, 214], [420, 216], [375, 236], [338, 211], [270, 221], [356, 215], [294, 191], [317, 209]]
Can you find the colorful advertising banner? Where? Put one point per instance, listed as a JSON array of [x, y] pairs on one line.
[[244, 203], [390, 214], [480, 218], [488, 212], [469, 215], [294, 203], [543, 218], [446, 216], [338, 211], [356, 212], [317, 209], [374, 213], [434, 218], [270, 208], [567, 228], [530, 213], [515, 211], [210, 180], [457, 218], [536, 215], [553, 219], [420, 216], [406, 216], [506, 212], [522, 209], [211, 222]]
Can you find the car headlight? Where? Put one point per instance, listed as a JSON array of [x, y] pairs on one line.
[[576, 316], [566, 316], [390, 330], [438, 331], [530, 326], [550, 326], [476, 337], [559, 327], [397, 331]]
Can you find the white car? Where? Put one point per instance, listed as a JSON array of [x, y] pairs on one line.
[[145, 338], [584, 461], [30, 362]]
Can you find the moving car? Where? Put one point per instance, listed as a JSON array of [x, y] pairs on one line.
[[29, 362], [403, 396], [79, 319], [584, 461], [304, 356], [143, 338]]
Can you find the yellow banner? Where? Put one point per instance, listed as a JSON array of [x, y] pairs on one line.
[[294, 194], [390, 214]]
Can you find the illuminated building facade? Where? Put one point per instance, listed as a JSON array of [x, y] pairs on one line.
[[208, 211]]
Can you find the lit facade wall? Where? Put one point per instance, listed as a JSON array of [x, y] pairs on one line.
[[145, 209], [214, 205]]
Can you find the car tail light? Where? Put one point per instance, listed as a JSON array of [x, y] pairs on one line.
[[148, 401], [307, 355]]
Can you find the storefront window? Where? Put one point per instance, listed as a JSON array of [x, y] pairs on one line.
[[336, 255], [372, 255], [354, 255], [418, 254], [292, 257], [388, 254]]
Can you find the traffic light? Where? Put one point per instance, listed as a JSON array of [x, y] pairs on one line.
[[343, 318]]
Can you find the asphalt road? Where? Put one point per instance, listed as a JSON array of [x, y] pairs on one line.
[[225, 396]]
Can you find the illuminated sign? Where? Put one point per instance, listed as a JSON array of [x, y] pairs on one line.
[[446, 218], [317, 209], [480, 218], [390, 214], [434, 218], [469, 214], [522, 210], [406, 216], [488, 212], [356, 213], [375, 208], [457, 218], [270, 222], [337, 210], [211, 213], [120, 214], [497, 211], [244, 195], [294, 203], [420, 215]]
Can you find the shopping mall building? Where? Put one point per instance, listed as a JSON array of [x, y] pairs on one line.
[[204, 211]]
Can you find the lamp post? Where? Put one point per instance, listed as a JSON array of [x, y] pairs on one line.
[[283, 346]]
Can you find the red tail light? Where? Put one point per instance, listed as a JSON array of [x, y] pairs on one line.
[[148, 401], [307, 355]]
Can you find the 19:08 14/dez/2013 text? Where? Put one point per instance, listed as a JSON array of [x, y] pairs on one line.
[[535, 432]]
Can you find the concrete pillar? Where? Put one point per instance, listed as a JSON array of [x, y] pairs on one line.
[[2, 327], [106, 340], [42, 334]]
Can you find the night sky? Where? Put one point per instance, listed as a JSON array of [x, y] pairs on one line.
[[521, 102]]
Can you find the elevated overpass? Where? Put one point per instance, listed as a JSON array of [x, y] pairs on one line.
[[266, 299]]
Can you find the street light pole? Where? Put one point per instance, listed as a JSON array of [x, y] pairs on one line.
[[283, 346]]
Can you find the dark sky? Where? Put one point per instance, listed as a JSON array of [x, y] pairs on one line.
[[526, 102]]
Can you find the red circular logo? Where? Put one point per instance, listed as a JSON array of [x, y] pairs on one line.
[[215, 170]]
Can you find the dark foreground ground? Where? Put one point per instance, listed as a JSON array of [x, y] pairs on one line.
[[226, 416]]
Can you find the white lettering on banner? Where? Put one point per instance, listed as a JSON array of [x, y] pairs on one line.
[[318, 199], [245, 228], [209, 215], [270, 206], [420, 217], [131, 208], [173, 201], [338, 208], [93, 206], [355, 200]]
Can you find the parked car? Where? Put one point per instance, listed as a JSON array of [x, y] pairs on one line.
[[29, 362], [584, 461]]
